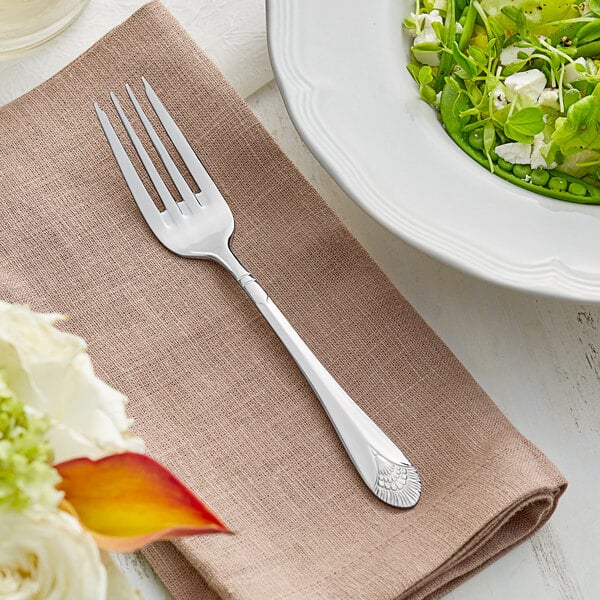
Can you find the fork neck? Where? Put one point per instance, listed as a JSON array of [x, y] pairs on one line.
[[228, 260]]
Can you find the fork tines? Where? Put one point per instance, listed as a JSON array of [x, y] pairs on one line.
[[174, 210]]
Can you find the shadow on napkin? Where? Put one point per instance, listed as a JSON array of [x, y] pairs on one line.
[[212, 390]]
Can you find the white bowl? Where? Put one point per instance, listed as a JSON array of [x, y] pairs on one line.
[[341, 67]]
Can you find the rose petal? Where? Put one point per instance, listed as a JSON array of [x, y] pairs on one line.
[[128, 500]]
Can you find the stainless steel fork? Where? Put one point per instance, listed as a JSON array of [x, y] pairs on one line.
[[201, 226]]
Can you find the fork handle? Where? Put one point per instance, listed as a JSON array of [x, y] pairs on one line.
[[380, 463]]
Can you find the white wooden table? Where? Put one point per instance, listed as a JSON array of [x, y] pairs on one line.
[[539, 359]]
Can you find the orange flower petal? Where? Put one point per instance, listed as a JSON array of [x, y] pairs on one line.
[[129, 500]]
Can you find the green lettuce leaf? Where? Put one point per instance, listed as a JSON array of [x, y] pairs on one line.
[[522, 125], [536, 13], [580, 129]]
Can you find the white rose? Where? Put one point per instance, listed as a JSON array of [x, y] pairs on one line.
[[51, 372], [48, 556]]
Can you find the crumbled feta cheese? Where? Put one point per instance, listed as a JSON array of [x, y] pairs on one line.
[[549, 97], [571, 72], [516, 153], [459, 27], [526, 83], [500, 100], [426, 19], [510, 54], [537, 160], [428, 35], [427, 58]]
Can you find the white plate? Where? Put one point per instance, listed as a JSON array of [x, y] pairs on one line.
[[341, 67]]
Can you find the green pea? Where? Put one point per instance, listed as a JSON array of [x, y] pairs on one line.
[[539, 177], [503, 164], [558, 184], [476, 139], [521, 171], [577, 189]]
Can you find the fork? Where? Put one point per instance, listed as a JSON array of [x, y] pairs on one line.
[[201, 226]]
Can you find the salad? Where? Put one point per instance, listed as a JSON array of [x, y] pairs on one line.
[[517, 86]]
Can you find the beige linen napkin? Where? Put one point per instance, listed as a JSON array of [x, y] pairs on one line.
[[212, 390]]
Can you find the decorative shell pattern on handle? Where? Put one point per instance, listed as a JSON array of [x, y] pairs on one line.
[[397, 484]]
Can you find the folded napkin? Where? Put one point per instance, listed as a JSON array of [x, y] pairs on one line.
[[212, 390]]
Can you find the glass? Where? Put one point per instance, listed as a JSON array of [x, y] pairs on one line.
[[27, 23]]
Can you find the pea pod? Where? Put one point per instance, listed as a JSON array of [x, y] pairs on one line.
[[590, 32], [588, 50], [552, 183], [452, 105], [568, 31], [468, 27], [446, 58]]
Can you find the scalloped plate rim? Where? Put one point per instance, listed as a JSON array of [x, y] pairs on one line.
[[549, 278]]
